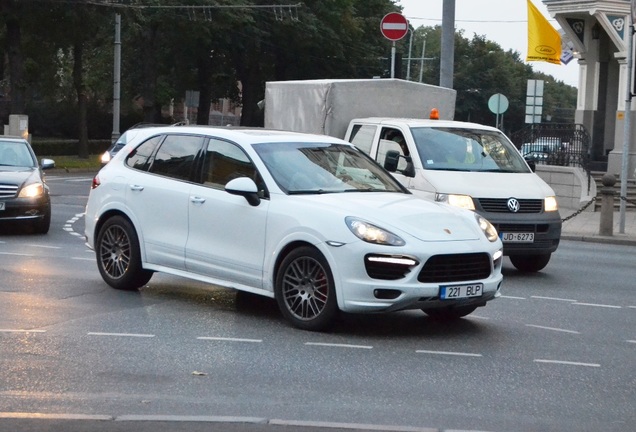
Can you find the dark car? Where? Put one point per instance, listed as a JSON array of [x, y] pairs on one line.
[[24, 194]]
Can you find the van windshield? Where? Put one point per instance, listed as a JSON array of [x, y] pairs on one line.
[[459, 149]]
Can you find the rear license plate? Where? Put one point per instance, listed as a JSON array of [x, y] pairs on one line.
[[1, 206], [452, 292], [517, 237]]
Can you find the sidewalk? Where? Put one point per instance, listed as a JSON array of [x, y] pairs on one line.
[[586, 226]]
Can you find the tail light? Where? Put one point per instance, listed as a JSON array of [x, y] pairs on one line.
[[95, 182]]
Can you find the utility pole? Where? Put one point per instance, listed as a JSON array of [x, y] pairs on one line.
[[627, 124], [446, 69], [117, 79]]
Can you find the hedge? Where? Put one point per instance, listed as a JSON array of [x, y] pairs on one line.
[[65, 147]]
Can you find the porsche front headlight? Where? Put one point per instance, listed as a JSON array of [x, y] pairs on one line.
[[489, 230], [371, 233]]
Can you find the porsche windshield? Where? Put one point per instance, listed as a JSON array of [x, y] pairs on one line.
[[306, 168], [459, 149]]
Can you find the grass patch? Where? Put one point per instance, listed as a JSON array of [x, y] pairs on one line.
[[75, 162]]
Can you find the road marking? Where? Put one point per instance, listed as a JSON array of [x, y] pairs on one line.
[[570, 363], [353, 426], [553, 328], [180, 418], [453, 353], [631, 341], [632, 307], [21, 331], [229, 339], [597, 305], [336, 345], [121, 334], [23, 415], [43, 246], [15, 254], [83, 258], [513, 297], [553, 298]]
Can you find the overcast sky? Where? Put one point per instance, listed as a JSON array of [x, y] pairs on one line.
[[501, 21]]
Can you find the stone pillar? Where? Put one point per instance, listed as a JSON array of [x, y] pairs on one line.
[[606, 227]]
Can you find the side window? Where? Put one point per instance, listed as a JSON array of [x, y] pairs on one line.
[[175, 158], [225, 161], [140, 158], [362, 137]]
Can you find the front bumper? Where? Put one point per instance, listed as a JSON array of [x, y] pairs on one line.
[[16, 209]]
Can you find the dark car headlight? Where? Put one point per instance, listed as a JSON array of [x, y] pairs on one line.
[[33, 190]]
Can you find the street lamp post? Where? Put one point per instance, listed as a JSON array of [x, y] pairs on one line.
[[627, 124]]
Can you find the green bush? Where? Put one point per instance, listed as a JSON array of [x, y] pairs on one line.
[[65, 147]]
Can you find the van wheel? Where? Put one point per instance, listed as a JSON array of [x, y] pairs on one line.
[[449, 313], [305, 290], [530, 263], [118, 255]]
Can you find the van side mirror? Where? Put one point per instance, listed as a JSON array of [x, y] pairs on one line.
[[391, 160], [532, 164]]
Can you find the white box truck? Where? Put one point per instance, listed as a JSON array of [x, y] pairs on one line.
[[464, 164]]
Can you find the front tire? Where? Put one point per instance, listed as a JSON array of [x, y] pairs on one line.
[[305, 290], [118, 255], [530, 263], [41, 226]]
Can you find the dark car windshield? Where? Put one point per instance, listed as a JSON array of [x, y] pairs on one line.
[[316, 168], [16, 154], [460, 149]]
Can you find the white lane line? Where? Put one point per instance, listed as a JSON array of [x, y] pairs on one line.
[[597, 305], [513, 297], [83, 258], [553, 329], [353, 426], [631, 341], [121, 334], [23, 415], [453, 353], [180, 418], [21, 331], [632, 307], [478, 317], [229, 339], [336, 345], [553, 298], [570, 363], [43, 246], [15, 254]]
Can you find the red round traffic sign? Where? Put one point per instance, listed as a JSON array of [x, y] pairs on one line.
[[394, 26]]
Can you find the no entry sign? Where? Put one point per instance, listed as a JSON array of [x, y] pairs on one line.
[[394, 26]]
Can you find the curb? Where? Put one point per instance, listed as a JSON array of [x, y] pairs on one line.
[[590, 238]]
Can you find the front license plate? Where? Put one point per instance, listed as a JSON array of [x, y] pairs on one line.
[[517, 237], [1, 206], [452, 292]]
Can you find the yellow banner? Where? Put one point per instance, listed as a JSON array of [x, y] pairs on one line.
[[544, 42]]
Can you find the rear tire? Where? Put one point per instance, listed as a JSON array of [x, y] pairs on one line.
[[305, 290], [450, 313], [530, 263], [118, 255]]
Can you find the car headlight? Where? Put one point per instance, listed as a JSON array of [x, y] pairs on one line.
[[105, 157], [463, 201], [489, 230], [33, 190], [550, 204], [372, 234]]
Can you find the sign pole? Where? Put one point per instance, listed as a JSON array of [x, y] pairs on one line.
[[393, 60]]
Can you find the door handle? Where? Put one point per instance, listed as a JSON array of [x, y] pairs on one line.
[[136, 187], [197, 200]]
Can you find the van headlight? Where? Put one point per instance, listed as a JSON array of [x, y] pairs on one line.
[[105, 158], [489, 230], [463, 201], [550, 204], [33, 190], [372, 234]]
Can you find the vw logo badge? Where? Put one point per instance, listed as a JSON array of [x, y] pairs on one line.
[[513, 205]]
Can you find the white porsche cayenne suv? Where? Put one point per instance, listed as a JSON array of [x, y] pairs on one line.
[[308, 220]]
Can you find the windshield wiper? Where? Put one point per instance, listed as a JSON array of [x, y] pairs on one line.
[[309, 192]]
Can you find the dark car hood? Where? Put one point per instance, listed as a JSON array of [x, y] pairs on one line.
[[17, 175]]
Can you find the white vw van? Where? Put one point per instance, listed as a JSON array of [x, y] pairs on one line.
[[471, 166]]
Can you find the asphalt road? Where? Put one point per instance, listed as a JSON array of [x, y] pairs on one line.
[[556, 353]]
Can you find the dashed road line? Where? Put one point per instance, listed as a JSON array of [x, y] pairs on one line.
[[16, 254], [339, 345], [631, 341], [211, 338], [450, 353], [121, 334], [513, 297], [598, 305], [569, 363], [43, 246], [553, 329], [68, 226], [21, 331], [46, 416], [553, 298]]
